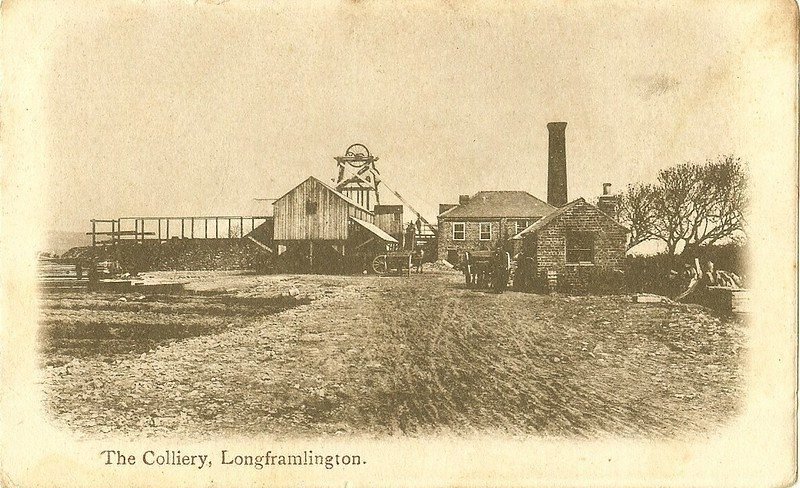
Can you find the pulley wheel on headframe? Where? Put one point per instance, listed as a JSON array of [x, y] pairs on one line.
[[358, 152]]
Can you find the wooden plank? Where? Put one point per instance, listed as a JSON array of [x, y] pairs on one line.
[[122, 233], [292, 221]]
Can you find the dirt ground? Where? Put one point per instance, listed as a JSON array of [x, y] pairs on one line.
[[330, 355]]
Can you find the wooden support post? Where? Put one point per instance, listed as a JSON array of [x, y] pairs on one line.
[[136, 230], [216, 233], [241, 226], [167, 229], [159, 229], [183, 221], [94, 236], [229, 228], [311, 255], [118, 250], [252, 224], [192, 227], [205, 228]]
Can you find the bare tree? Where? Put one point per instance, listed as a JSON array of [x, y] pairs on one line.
[[692, 204], [638, 209]]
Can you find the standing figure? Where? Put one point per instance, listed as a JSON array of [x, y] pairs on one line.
[[410, 234], [500, 270]]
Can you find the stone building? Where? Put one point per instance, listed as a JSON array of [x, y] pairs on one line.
[[556, 245], [484, 220], [572, 249]]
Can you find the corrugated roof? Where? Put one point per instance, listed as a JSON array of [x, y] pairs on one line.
[[497, 204], [374, 229]]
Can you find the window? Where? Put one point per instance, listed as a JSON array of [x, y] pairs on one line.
[[311, 207], [520, 226], [459, 231], [485, 231], [580, 247]]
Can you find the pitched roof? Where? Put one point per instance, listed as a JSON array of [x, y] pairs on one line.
[[493, 204], [544, 221], [375, 230], [332, 190]]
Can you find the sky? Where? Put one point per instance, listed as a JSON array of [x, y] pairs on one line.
[[200, 109]]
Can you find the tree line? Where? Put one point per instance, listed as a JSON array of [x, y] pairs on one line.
[[691, 204]]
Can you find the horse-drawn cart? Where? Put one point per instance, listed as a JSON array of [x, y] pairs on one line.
[[398, 262], [487, 269]]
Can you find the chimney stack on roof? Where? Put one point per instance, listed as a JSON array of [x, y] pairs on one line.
[[463, 199], [557, 165], [608, 203]]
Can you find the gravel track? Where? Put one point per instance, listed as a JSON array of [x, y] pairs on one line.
[[399, 356]]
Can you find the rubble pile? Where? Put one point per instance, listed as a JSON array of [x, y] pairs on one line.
[[440, 265]]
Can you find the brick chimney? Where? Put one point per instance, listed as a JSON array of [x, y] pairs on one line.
[[608, 203], [557, 165], [463, 199]]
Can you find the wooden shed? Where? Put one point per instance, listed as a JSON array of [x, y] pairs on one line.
[[324, 230], [314, 211]]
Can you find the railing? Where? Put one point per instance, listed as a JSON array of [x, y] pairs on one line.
[[164, 228]]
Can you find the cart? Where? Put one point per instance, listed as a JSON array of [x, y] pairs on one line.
[[395, 262], [487, 269]]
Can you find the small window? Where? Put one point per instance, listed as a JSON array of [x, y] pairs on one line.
[[521, 225], [311, 207], [485, 231], [580, 247], [459, 231]]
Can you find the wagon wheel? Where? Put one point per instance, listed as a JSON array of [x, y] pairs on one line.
[[379, 264]]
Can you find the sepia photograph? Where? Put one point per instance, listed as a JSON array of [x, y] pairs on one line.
[[363, 243]]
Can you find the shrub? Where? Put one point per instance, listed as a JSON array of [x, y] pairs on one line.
[[606, 282], [661, 274]]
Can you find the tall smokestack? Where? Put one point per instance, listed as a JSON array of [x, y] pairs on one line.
[[557, 165]]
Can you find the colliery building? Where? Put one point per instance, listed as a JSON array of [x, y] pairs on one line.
[[558, 245], [485, 221], [322, 229], [345, 228]]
